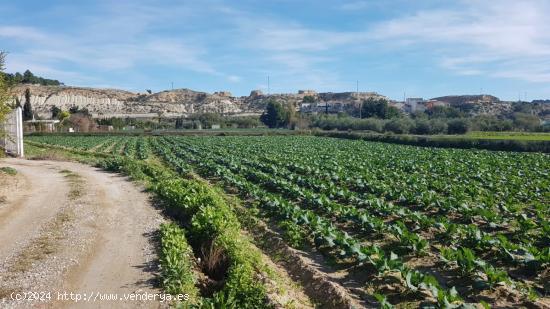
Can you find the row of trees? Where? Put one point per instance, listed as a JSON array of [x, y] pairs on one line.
[[377, 115], [402, 125], [428, 126], [29, 78]]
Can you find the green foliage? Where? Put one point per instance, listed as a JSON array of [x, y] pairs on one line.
[[315, 186], [429, 126], [79, 110], [330, 122], [444, 112], [211, 219], [292, 233], [384, 303], [276, 115], [8, 170], [526, 122], [176, 263], [4, 93], [29, 78], [378, 108], [458, 126], [27, 107], [399, 125], [491, 123], [308, 99], [56, 112]]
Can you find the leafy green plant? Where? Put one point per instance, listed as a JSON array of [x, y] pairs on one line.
[[175, 261]]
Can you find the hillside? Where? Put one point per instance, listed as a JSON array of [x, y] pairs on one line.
[[467, 99], [104, 103]]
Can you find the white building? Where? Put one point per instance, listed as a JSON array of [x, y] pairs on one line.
[[415, 104]]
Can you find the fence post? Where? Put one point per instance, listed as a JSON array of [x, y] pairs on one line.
[[13, 133], [19, 117]]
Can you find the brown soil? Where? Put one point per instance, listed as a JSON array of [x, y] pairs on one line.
[[70, 227]]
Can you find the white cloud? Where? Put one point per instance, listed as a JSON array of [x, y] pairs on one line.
[[234, 78], [108, 42], [496, 38], [19, 33], [502, 39]]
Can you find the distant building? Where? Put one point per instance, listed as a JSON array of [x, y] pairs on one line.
[[223, 93], [322, 107], [399, 105], [40, 125], [307, 92], [414, 104]]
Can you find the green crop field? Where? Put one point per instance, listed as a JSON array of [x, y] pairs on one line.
[[520, 136], [393, 225]]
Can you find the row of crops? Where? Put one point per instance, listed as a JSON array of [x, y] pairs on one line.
[[444, 226], [133, 147]]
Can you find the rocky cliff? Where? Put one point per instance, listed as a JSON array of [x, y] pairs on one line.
[[104, 103]]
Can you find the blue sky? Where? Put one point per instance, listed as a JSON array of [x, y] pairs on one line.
[[424, 48]]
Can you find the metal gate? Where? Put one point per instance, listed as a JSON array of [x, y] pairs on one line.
[[13, 133]]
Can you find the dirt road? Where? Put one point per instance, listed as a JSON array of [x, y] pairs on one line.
[[68, 227]]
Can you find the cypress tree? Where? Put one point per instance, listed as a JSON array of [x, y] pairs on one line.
[[27, 107]]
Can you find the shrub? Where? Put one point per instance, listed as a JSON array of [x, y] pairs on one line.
[[176, 262], [370, 124], [422, 127], [458, 126], [399, 126], [438, 126]]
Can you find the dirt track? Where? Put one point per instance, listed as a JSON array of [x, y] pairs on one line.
[[68, 227]]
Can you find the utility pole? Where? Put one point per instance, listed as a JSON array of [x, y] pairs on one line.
[[360, 101], [172, 85]]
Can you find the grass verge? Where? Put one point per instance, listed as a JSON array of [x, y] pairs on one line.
[[207, 220]]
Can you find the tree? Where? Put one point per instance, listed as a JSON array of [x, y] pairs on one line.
[[308, 99], [77, 110], [55, 112], [391, 112], [63, 116], [458, 126], [4, 91], [378, 108], [28, 77], [526, 122], [399, 125], [81, 122], [422, 127], [276, 115], [444, 112], [27, 107], [438, 126]]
